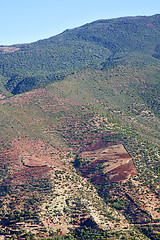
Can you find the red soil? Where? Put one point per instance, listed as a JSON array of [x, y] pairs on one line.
[[108, 162], [28, 159], [28, 173], [19, 173], [123, 172]]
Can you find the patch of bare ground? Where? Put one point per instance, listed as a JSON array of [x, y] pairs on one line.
[[2, 96], [29, 158], [112, 162], [7, 49]]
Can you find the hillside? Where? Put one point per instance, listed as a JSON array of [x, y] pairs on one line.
[[80, 134], [101, 44]]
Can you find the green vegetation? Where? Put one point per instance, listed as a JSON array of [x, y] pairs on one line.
[[99, 83], [99, 45]]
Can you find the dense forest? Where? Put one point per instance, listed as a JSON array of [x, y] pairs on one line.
[[98, 45]]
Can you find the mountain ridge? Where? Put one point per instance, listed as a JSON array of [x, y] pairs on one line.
[[80, 133], [100, 44]]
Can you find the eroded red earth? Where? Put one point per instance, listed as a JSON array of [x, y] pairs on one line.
[[30, 159], [27, 159], [107, 161]]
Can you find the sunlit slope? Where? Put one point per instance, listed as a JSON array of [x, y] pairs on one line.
[[71, 112], [98, 45], [131, 91], [46, 131]]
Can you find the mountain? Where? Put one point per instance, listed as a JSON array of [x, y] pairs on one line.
[[101, 44], [80, 133]]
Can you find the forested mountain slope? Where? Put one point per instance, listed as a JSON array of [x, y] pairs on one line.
[[80, 133], [101, 44]]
